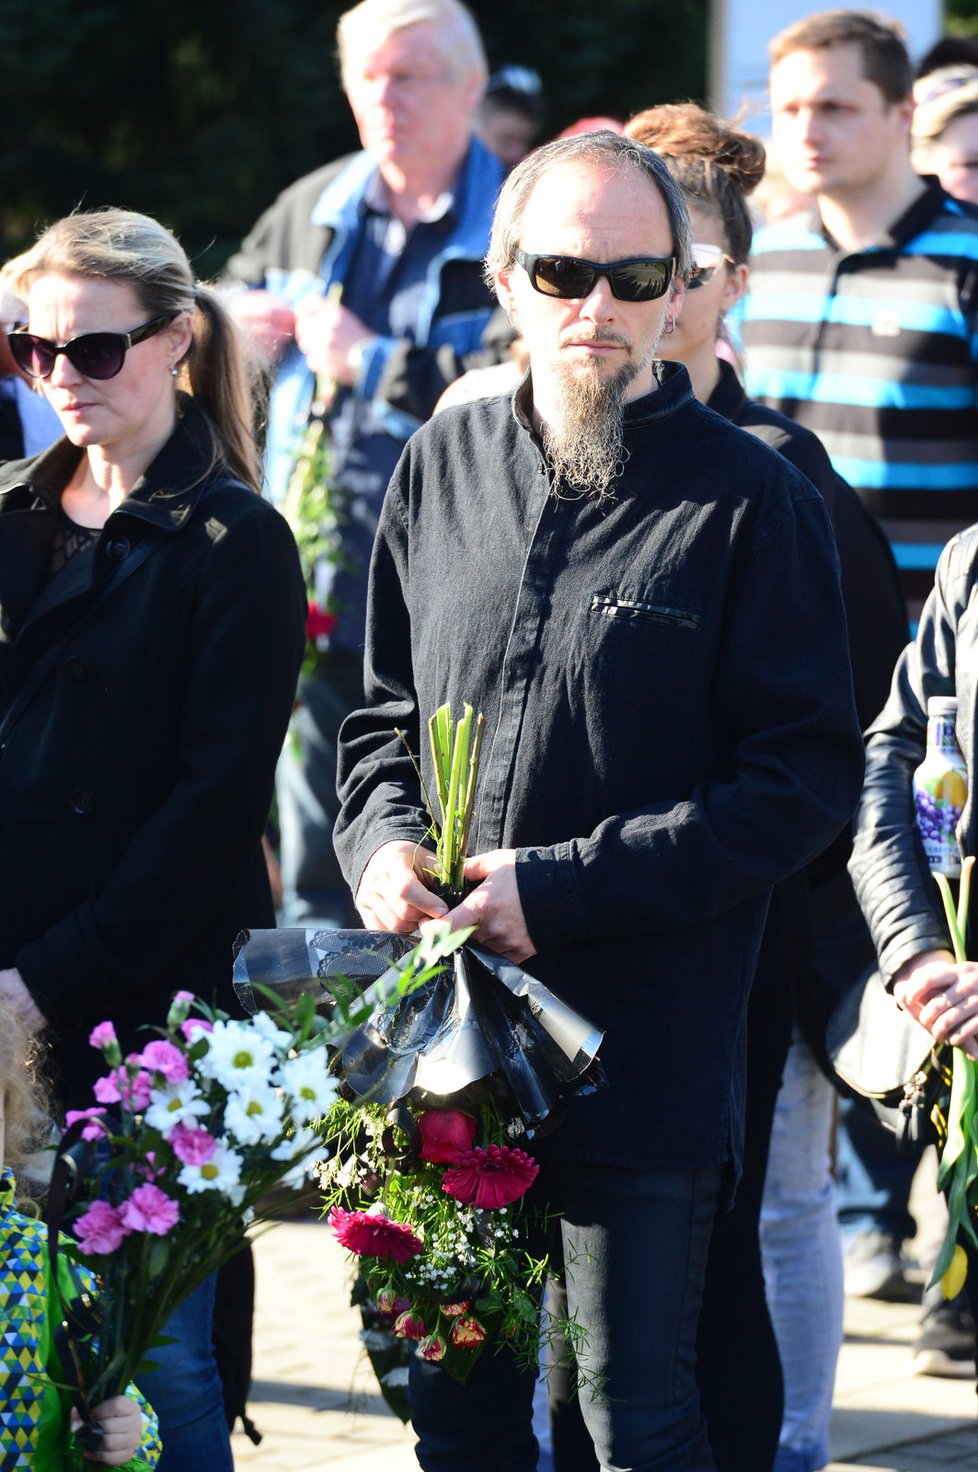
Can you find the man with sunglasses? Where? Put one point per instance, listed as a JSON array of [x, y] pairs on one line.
[[643, 601], [366, 276]]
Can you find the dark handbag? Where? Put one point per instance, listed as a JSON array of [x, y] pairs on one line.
[[880, 1053]]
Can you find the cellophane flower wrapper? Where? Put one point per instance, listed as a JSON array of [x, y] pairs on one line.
[[443, 1092], [484, 1021]]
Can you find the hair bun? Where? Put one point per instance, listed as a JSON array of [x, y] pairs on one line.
[[684, 130]]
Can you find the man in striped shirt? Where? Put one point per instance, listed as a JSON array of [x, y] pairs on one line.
[[861, 321]]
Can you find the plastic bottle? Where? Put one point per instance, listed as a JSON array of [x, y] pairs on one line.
[[940, 788]]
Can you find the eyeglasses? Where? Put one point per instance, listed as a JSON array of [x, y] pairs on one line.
[[708, 260], [644, 279], [95, 354]]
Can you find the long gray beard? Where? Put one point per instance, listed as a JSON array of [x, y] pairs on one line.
[[585, 445]]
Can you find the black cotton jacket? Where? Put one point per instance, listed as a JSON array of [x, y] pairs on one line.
[[135, 784], [898, 896], [670, 727]]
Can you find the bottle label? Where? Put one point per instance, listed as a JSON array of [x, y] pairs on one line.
[[939, 801]]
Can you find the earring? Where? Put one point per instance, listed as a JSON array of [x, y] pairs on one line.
[[174, 370], [669, 326]]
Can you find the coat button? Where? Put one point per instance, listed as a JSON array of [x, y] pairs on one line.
[[82, 801], [79, 669], [117, 549]]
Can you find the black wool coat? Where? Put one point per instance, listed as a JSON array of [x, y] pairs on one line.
[[145, 692]]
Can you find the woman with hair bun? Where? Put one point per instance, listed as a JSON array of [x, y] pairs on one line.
[[152, 621], [815, 943]]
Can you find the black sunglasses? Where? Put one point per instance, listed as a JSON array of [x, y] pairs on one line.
[[643, 279], [95, 354]]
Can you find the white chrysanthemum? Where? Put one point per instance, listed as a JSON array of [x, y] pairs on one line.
[[309, 1085], [221, 1173], [253, 1116], [307, 1150], [280, 1040], [238, 1056], [174, 1104]]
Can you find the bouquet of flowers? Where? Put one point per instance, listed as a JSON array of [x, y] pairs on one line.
[[446, 1089], [316, 510], [185, 1142], [442, 1093], [429, 1200]]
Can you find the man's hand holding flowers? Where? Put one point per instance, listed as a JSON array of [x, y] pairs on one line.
[[393, 893], [493, 907], [942, 995]]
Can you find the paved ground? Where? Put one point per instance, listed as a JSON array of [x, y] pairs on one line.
[[316, 1402]]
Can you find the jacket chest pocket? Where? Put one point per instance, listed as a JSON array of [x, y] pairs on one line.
[[639, 611], [639, 647]]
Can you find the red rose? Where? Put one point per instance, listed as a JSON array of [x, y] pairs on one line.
[[445, 1135]]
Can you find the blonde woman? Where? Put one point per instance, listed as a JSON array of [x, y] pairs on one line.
[[152, 620]]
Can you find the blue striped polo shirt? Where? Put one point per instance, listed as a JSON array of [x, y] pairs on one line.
[[876, 351]]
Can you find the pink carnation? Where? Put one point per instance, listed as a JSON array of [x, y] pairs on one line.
[[150, 1210], [119, 1087], [103, 1036], [100, 1229], [445, 1135], [490, 1176], [167, 1059], [194, 1026], [91, 1131], [371, 1234], [192, 1146], [432, 1347]]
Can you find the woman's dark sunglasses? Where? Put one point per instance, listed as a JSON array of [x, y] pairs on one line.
[[95, 354], [643, 279]]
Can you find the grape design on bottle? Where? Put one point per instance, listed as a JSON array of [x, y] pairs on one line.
[[940, 788]]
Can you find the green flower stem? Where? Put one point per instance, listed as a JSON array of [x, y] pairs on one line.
[[958, 1167], [455, 751]]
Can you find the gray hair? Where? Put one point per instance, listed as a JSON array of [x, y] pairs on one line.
[[372, 22], [603, 149]]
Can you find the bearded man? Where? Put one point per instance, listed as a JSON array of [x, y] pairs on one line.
[[643, 601]]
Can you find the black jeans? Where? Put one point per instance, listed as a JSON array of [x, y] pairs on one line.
[[635, 1246]]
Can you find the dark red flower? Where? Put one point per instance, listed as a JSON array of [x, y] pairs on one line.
[[445, 1135], [490, 1176], [319, 625], [371, 1234]]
